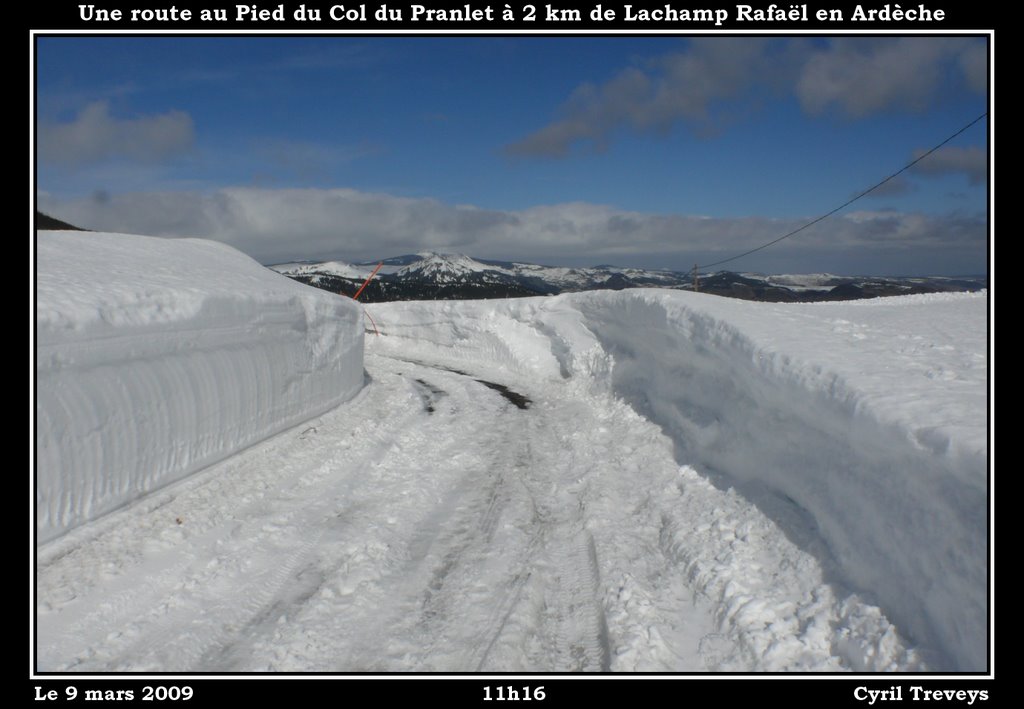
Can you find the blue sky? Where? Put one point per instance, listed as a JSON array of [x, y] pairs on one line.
[[657, 151]]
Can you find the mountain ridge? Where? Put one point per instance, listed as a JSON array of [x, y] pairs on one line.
[[434, 275]]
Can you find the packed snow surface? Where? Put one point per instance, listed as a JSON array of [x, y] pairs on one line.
[[158, 357], [633, 481]]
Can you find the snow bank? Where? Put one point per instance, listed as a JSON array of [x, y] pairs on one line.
[[157, 357], [858, 427]]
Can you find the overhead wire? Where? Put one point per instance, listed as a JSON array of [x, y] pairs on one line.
[[846, 204]]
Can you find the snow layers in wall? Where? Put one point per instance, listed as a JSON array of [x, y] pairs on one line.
[[157, 357], [859, 428]]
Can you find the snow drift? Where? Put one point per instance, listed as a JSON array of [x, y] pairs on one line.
[[859, 428], [157, 357]]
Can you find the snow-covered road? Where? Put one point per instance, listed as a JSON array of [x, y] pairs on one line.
[[432, 524]]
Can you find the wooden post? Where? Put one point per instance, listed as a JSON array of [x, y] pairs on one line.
[[696, 282]]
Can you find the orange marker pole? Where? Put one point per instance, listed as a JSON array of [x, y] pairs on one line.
[[367, 281], [359, 292]]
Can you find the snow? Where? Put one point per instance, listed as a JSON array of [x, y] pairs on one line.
[[443, 268], [332, 268], [158, 357], [696, 483], [801, 281], [860, 427]]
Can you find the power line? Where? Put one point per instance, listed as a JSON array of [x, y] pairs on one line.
[[848, 202]]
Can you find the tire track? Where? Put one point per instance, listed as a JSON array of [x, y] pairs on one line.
[[411, 537], [519, 569], [574, 605], [426, 593], [487, 528], [166, 639], [469, 542]]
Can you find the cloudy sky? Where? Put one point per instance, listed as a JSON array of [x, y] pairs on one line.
[[655, 151]]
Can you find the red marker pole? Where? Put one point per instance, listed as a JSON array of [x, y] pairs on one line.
[[358, 292], [367, 281]]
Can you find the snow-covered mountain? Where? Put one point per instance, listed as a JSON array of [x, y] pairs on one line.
[[443, 268], [424, 276], [442, 276]]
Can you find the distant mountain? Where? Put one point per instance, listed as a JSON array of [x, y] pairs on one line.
[[436, 276], [824, 286]]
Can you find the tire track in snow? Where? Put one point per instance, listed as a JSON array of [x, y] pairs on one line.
[[507, 601], [579, 628], [411, 600], [450, 554], [519, 573], [460, 539], [178, 638], [571, 594], [120, 600], [556, 574], [544, 608]]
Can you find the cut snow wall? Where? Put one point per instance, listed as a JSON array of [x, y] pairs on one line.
[[905, 523], [159, 357]]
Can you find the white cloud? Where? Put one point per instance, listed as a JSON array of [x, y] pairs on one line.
[[855, 76], [95, 136], [283, 225], [894, 187], [861, 77], [974, 62], [972, 162], [681, 86]]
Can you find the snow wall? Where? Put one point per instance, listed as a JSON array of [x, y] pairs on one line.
[[158, 357], [860, 428]]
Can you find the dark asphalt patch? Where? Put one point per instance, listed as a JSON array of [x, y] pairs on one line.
[[515, 397], [521, 402]]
